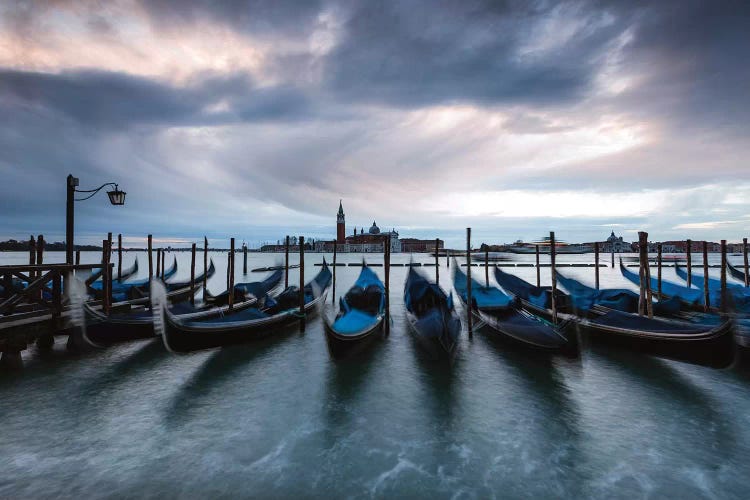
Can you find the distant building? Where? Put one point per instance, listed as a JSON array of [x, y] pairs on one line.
[[616, 244], [413, 245], [373, 240], [340, 225]]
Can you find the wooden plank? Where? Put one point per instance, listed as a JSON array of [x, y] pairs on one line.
[[46, 267], [34, 286]]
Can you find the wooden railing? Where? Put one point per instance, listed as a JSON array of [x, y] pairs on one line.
[[45, 278]]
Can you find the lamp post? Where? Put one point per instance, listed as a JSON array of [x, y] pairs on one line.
[[116, 197]]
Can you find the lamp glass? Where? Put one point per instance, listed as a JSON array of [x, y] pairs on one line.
[[116, 197]]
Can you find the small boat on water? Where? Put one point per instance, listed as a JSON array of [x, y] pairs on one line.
[[504, 317], [236, 326], [94, 281], [431, 315], [705, 344], [737, 295], [361, 315], [544, 247], [125, 290], [243, 290], [736, 273], [174, 285], [689, 296], [132, 322], [584, 298]]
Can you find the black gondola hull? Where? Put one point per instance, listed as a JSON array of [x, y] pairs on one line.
[[183, 338], [345, 345], [434, 345], [715, 349]]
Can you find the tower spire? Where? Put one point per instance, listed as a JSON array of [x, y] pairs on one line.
[[340, 225]]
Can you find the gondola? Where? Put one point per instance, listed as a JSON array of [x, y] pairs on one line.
[[126, 290], [738, 296], [241, 290], [431, 315], [361, 315], [688, 296], [96, 285], [129, 322], [508, 321], [174, 285], [704, 344], [141, 288], [185, 335], [737, 274]]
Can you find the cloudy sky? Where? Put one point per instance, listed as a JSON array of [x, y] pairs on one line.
[[252, 118]]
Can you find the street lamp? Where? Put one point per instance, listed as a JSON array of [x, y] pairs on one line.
[[116, 197]]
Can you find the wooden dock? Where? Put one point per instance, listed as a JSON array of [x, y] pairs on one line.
[[34, 313]]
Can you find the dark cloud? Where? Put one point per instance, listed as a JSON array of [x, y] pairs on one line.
[[419, 53], [117, 100]]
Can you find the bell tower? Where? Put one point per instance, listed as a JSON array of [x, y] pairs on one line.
[[340, 225]]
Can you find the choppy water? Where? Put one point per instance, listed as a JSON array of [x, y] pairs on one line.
[[280, 418]]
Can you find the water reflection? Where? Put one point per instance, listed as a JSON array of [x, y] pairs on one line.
[[146, 355], [219, 367]]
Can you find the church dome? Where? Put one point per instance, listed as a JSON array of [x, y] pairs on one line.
[[374, 229]]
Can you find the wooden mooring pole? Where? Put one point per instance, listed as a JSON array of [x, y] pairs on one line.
[[286, 262], [706, 299], [596, 264], [387, 269], [689, 257], [39, 252], [469, 311], [552, 252], [205, 265], [613, 256], [333, 291], [486, 266], [150, 258], [119, 257], [744, 253], [244, 258], [78, 257], [158, 262], [538, 271], [302, 279], [192, 274], [32, 254], [724, 304], [658, 270], [106, 277], [163, 263], [437, 261], [642, 263], [40, 259], [231, 274], [647, 284]]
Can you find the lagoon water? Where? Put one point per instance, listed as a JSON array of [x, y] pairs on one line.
[[279, 418]]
